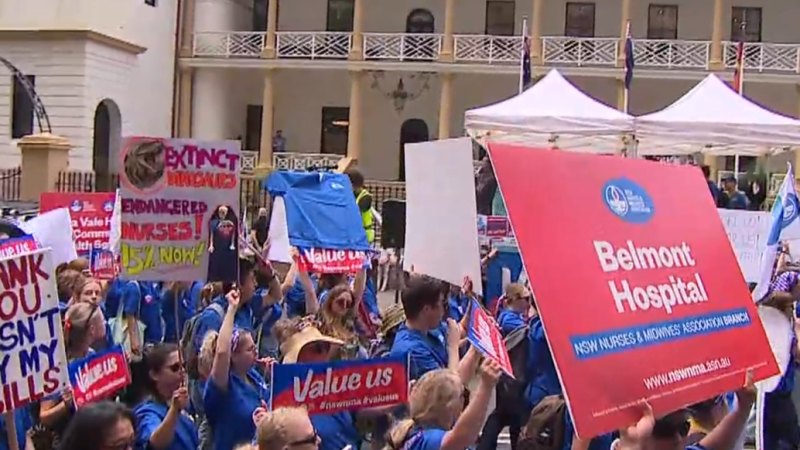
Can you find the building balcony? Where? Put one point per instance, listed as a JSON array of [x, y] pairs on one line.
[[482, 50]]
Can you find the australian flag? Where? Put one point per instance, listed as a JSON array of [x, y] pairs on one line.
[[629, 63], [525, 69]]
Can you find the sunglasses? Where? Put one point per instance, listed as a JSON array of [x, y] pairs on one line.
[[175, 367], [311, 440], [127, 445]]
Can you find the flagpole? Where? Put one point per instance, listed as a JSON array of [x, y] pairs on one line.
[[522, 60]]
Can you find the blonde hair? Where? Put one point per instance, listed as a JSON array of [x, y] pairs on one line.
[[81, 283], [273, 428], [77, 322], [67, 281], [205, 358], [338, 327], [431, 400], [286, 328]]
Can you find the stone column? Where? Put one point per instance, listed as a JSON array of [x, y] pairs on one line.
[[357, 49], [187, 28], [272, 29], [536, 32], [210, 105], [448, 45], [44, 156], [356, 103], [267, 119], [445, 105], [185, 102], [715, 60]]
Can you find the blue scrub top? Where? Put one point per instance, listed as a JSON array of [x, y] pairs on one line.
[[211, 320], [142, 299], [149, 415], [457, 307], [173, 327], [336, 431], [230, 412], [427, 351], [428, 439], [23, 422], [541, 369], [510, 321]]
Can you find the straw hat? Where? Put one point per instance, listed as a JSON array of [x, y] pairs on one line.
[[307, 335], [392, 317]]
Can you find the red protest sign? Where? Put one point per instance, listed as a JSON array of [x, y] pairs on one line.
[[327, 388], [331, 261], [90, 213], [635, 280], [99, 376], [483, 334]]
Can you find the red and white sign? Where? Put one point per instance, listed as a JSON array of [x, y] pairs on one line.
[[483, 334], [99, 376], [639, 291], [90, 213], [317, 260]]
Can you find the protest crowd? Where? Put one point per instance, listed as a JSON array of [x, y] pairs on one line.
[[295, 353]]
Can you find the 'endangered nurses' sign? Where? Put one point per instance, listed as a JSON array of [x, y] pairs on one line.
[[33, 364], [638, 288], [180, 209], [327, 388]]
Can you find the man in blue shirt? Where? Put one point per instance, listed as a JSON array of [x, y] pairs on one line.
[[712, 187], [732, 197], [429, 343]]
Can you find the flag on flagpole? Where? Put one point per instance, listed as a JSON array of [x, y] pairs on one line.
[[785, 226], [738, 74], [629, 62], [525, 63]]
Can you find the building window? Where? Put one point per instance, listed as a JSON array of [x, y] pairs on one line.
[[580, 20], [340, 15], [662, 22], [335, 124], [745, 24], [252, 129], [500, 17], [22, 109], [150, 2]]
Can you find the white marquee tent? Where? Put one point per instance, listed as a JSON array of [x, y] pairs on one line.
[[712, 118], [552, 113]]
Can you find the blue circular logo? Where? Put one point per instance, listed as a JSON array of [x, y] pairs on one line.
[[76, 206], [108, 206], [791, 209], [628, 201]]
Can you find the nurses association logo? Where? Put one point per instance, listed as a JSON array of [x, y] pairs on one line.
[[791, 209], [628, 201], [108, 206], [76, 206]]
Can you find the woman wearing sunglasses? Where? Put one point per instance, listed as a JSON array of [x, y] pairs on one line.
[[235, 388], [101, 426], [84, 324], [338, 314], [287, 428], [161, 422]]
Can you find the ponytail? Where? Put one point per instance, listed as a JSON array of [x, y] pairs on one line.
[[206, 357], [399, 435]]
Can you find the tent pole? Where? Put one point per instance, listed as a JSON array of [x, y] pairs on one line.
[[736, 168]]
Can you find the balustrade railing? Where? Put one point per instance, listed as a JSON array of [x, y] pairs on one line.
[[496, 50]]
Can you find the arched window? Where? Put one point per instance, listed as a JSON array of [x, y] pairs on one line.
[[412, 131], [420, 21]]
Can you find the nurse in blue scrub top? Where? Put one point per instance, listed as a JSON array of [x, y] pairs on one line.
[[302, 342], [438, 419], [235, 387], [161, 419]]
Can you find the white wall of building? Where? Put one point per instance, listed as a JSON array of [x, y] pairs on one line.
[[73, 77]]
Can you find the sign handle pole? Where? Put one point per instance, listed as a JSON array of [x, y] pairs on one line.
[[11, 430]]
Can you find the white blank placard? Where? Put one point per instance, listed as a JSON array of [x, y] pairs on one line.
[[441, 215]]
